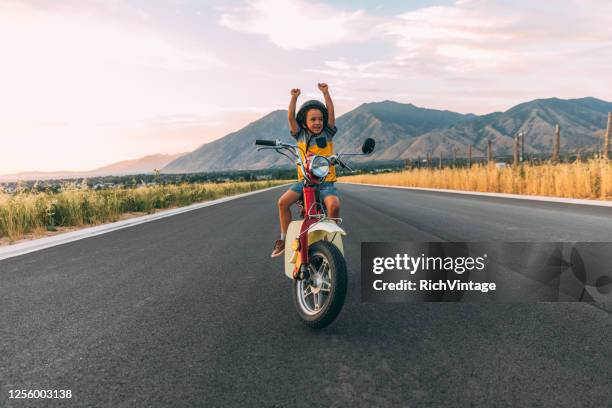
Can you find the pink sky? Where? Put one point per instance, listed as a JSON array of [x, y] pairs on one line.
[[84, 84]]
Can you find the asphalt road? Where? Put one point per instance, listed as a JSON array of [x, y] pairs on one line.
[[191, 311]]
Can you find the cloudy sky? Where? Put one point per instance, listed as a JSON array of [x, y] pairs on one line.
[[87, 83]]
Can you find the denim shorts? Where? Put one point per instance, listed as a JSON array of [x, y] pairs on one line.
[[325, 189]]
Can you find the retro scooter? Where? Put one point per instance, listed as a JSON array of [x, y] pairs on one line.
[[314, 255]]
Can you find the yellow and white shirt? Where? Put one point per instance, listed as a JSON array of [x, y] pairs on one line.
[[321, 145]]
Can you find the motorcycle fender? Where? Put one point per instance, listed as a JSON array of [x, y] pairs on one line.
[[325, 230], [291, 256]]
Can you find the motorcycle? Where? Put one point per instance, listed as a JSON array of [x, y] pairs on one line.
[[314, 261]]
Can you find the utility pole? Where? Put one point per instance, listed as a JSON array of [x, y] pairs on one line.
[[428, 159], [489, 152], [522, 136], [556, 143], [454, 156], [606, 146], [440, 158], [515, 150], [470, 155]]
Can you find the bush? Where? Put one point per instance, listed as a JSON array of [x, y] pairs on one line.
[[27, 212]]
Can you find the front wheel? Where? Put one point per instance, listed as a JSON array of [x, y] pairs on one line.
[[319, 299]]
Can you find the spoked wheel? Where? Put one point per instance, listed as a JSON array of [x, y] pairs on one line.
[[319, 299]]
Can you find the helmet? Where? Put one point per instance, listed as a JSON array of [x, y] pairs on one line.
[[312, 104]]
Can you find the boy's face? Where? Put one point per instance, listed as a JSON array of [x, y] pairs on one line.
[[314, 121]]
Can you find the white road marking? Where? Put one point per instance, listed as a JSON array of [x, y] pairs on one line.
[[22, 248], [597, 203]]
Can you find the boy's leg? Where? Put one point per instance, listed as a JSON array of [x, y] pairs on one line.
[[330, 199], [332, 203], [285, 202], [284, 209]]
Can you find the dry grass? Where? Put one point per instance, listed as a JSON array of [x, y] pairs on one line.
[[35, 213], [592, 179]]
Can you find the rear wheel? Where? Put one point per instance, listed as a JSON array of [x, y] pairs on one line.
[[319, 299]]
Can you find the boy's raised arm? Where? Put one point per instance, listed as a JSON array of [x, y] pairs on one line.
[[293, 125], [331, 117]]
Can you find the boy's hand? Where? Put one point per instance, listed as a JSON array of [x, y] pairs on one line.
[[295, 92], [331, 117]]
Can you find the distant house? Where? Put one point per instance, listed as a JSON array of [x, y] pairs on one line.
[[103, 186]]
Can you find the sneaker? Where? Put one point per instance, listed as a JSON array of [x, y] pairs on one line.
[[279, 248]]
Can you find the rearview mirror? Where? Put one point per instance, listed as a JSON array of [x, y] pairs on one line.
[[368, 146]]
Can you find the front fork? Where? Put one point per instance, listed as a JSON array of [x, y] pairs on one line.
[[303, 273]]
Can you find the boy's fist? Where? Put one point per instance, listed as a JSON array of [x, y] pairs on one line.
[[295, 92], [323, 87]]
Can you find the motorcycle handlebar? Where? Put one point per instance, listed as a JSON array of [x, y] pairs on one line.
[[260, 142], [334, 159], [338, 161]]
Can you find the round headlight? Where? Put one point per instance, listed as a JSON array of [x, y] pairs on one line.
[[319, 166]]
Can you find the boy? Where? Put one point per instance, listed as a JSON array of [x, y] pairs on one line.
[[313, 128]]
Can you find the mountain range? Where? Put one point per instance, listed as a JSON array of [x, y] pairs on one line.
[[405, 131], [143, 165], [402, 131]]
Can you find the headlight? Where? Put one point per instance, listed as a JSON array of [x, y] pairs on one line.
[[319, 166]]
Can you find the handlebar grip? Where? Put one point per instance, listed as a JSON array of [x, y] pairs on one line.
[[260, 142]]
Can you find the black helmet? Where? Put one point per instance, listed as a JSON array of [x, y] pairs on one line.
[[312, 104]]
